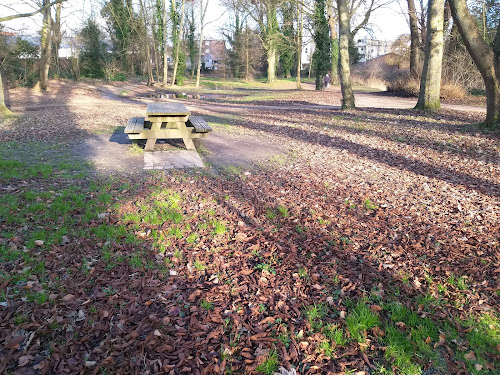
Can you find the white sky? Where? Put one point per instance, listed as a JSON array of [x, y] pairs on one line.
[[386, 23]]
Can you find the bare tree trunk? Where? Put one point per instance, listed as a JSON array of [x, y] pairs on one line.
[[4, 111], [430, 83], [310, 64], [200, 46], [155, 49], [247, 54], [345, 69], [332, 23], [414, 41], [423, 23], [57, 37], [486, 60], [45, 46], [271, 62], [165, 43], [178, 44], [146, 42], [300, 25]]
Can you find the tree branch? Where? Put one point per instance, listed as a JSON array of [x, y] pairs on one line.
[[39, 10]]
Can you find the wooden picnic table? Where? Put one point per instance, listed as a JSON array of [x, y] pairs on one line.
[[167, 121]]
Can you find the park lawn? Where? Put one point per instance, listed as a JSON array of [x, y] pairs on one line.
[[371, 245]]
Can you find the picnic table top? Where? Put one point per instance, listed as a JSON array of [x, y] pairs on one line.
[[167, 109]]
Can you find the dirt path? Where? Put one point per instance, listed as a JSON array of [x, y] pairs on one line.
[[82, 107], [141, 94]]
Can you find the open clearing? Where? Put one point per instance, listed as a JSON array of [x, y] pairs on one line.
[[333, 242]]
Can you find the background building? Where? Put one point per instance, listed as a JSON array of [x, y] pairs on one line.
[[371, 48]]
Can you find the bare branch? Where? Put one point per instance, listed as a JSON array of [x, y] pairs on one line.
[[39, 10]]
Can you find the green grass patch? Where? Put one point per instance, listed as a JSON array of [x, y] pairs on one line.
[[359, 320], [269, 365]]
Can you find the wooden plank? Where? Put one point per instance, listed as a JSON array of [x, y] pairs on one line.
[[198, 124], [166, 118], [130, 126], [166, 134], [139, 124], [167, 109], [134, 125]]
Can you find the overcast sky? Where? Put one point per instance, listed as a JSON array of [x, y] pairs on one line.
[[386, 24]]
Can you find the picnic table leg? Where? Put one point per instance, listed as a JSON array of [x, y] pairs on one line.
[[188, 142], [150, 144]]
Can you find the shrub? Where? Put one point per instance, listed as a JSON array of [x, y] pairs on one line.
[[119, 77], [411, 87], [451, 91], [405, 85]]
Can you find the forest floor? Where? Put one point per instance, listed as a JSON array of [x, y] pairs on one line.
[[326, 241]]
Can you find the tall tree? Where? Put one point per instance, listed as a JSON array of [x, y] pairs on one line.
[[146, 44], [57, 36], [203, 12], [300, 29], [332, 23], [165, 42], [93, 50], [237, 46], [178, 55], [264, 13], [321, 56], [45, 45], [190, 39], [44, 6], [287, 45], [120, 19], [414, 41], [487, 59], [344, 65], [430, 83]]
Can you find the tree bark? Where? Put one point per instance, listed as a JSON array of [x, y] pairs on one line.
[[486, 59], [414, 41], [345, 70], [247, 54], [300, 26], [45, 46], [57, 38], [271, 62], [178, 44], [332, 23], [430, 83], [4, 111]]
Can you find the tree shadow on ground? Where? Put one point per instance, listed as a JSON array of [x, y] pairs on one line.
[[382, 156], [398, 133]]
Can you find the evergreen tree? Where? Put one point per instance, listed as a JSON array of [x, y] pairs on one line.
[[321, 56], [191, 44], [117, 13], [93, 53], [236, 53], [288, 49]]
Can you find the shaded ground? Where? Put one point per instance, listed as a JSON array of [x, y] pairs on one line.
[[328, 241]]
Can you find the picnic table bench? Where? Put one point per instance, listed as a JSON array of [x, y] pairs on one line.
[[167, 121]]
